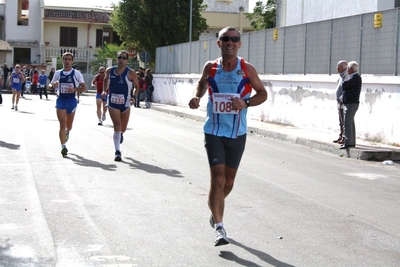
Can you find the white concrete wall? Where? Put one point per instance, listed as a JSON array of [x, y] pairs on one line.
[[306, 102]]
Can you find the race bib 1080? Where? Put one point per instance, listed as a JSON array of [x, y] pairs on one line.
[[222, 103]]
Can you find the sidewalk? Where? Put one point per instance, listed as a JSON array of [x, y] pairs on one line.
[[365, 150]]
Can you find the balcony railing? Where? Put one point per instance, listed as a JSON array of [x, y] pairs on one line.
[[81, 54]]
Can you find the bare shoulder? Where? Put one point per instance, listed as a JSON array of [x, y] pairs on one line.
[[132, 73], [207, 67], [250, 68]]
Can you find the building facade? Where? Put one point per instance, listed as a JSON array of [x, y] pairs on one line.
[[222, 13], [40, 31]]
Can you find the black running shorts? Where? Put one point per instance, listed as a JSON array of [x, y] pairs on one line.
[[223, 150]]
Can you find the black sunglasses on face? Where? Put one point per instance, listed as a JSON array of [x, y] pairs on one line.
[[234, 39], [123, 58]]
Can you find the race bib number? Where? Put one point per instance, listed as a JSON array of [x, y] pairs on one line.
[[65, 88], [222, 103], [15, 80], [117, 99]]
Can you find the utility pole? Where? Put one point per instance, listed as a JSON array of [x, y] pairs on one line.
[[190, 21]]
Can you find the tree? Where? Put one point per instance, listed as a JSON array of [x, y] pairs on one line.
[[102, 54], [148, 24], [263, 16]]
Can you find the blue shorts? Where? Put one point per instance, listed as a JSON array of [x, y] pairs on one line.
[[98, 96], [121, 107], [68, 104]]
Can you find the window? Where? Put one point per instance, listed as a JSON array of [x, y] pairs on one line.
[[22, 55], [106, 37], [99, 38], [69, 36], [23, 13], [397, 3]]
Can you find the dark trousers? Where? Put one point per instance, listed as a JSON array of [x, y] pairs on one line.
[[42, 88], [349, 125], [34, 89], [141, 97]]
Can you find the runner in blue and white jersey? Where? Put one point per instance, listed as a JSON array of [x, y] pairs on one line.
[[67, 82], [118, 83], [16, 80]]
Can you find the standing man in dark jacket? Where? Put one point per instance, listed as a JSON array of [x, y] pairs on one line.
[[6, 72], [351, 99]]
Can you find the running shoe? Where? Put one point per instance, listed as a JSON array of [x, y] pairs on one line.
[[118, 156], [103, 117], [100, 123], [64, 151], [220, 237], [16, 108], [122, 139], [12, 107], [212, 222]]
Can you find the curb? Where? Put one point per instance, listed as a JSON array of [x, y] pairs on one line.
[[361, 152]]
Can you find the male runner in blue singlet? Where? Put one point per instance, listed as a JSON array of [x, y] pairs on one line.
[[67, 82], [16, 80], [118, 81], [229, 81]]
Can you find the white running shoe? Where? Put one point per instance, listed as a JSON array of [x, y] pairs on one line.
[[220, 237]]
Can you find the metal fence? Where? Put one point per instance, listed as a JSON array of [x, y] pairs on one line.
[[312, 48]]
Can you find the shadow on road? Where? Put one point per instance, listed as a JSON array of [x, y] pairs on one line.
[[8, 259], [153, 169], [81, 161], [9, 145], [261, 255]]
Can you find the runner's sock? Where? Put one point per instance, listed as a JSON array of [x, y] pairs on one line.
[[117, 139]]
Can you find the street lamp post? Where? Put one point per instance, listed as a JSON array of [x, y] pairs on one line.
[[190, 32], [190, 21], [241, 9]]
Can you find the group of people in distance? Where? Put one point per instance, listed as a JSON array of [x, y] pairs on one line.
[[114, 85], [20, 79]]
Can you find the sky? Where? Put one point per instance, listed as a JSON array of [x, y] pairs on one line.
[[252, 4], [107, 3]]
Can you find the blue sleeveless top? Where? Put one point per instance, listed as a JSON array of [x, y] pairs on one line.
[[222, 82], [16, 81], [67, 81], [120, 85]]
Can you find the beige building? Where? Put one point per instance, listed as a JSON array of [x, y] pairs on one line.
[[40, 31], [222, 13]]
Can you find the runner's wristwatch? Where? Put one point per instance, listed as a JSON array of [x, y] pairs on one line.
[[247, 102]]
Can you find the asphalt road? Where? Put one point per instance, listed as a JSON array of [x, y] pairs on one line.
[[291, 205]]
